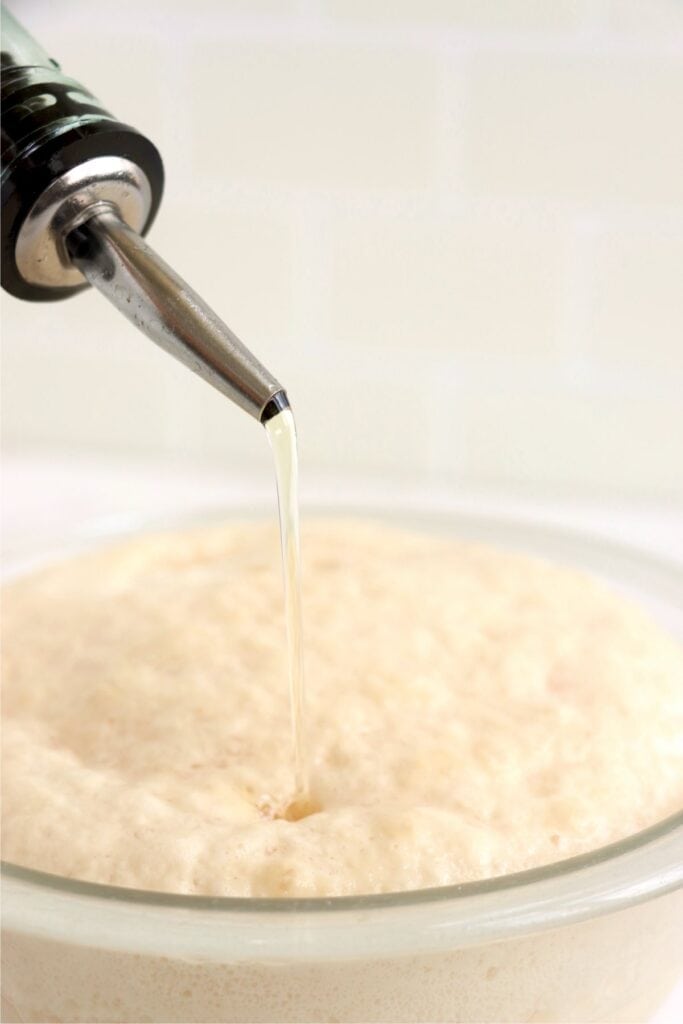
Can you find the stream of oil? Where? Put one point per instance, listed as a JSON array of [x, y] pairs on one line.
[[282, 436]]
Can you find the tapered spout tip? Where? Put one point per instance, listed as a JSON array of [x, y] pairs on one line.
[[127, 271], [276, 404]]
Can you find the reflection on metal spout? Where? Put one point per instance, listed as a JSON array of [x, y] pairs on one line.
[[116, 261], [278, 403]]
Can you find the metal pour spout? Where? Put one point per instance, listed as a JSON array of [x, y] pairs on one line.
[[115, 260]]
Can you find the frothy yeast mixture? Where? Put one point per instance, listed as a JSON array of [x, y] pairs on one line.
[[470, 713]]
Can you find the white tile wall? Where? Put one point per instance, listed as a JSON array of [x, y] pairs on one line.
[[563, 436], [469, 211], [588, 126], [636, 294], [314, 113], [489, 15], [397, 281]]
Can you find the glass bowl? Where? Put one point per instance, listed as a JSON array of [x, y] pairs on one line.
[[592, 938]]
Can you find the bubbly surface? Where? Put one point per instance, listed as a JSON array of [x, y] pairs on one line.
[[470, 713]]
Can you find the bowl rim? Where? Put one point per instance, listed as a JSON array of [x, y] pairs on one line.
[[635, 868], [638, 841]]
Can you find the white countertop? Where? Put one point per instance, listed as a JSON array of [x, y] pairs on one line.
[[44, 497]]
